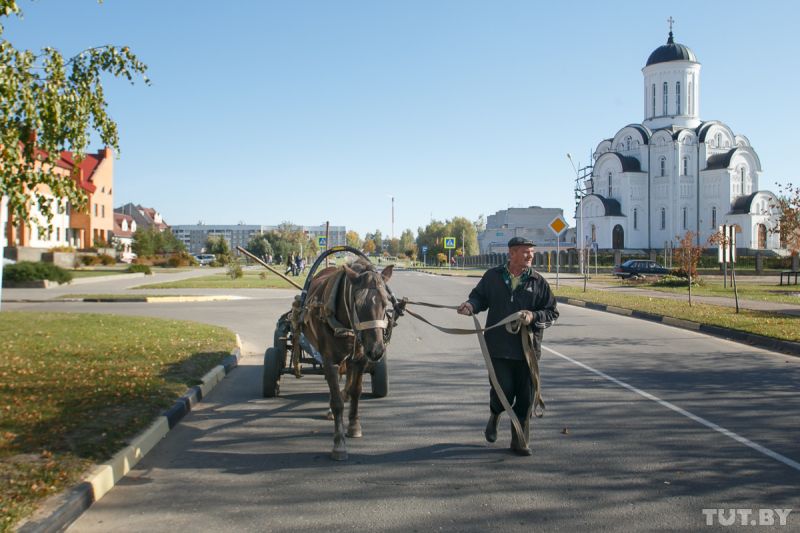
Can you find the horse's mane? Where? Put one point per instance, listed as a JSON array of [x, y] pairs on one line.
[[361, 265]]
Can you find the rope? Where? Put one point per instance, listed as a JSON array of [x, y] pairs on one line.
[[513, 324]]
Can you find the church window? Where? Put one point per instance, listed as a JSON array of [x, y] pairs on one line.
[[685, 166], [666, 96], [691, 99], [685, 214], [654, 101], [609, 184], [663, 166], [713, 217], [677, 98], [635, 218], [594, 233], [663, 218], [718, 140], [628, 142]]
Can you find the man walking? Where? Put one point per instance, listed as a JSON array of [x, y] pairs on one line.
[[505, 290]]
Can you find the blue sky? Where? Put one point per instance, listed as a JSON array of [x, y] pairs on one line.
[[306, 111]]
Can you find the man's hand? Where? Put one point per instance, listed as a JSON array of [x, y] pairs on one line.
[[526, 317], [465, 309]]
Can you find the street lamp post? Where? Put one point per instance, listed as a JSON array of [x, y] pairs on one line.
[[579, 196]]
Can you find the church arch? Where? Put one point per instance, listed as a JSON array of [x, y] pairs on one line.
[[761, 232], [618, 238]]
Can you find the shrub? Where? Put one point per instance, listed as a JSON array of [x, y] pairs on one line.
[[90, 260], [139, 268], [67, 249], [677, 281], [29, 271], [235, 270], [106, 259]]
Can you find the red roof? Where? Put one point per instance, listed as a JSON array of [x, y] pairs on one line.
[[88, 166], [118, 231]]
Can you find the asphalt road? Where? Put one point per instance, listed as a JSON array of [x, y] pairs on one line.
[[646, 427]]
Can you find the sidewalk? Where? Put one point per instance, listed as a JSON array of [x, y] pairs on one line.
[[113, 284]]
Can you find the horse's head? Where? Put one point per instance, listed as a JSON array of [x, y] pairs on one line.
[[369, 300]]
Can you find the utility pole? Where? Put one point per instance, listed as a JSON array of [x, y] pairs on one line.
[[582, 174]]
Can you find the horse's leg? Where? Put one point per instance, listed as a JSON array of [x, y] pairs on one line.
[[355, 373], [343, 392], [339, 452]]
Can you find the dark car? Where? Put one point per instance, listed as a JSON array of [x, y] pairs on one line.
[[635, 268]]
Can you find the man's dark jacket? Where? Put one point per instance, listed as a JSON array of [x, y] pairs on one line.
[[533, 293]]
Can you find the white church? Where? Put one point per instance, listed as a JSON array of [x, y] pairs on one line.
[[673, 173]]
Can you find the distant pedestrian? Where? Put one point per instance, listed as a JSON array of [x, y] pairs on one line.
[[290, 264]]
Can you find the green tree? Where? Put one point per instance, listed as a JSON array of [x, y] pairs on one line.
[[377, 238], [393, 246], [49, 104], [407, 244], [217, 245], [465, 233], [150, 241], [259, 246], [143, 242]]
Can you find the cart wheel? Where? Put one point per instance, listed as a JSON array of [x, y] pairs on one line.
[[272, 373], [281, 332], [380, 379]]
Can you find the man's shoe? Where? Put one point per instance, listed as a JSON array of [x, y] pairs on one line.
[[520, 445], [491, 428]]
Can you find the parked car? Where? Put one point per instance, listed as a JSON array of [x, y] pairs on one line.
[[204, 259], [635, 268]]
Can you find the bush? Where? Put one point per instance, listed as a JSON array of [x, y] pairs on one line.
[[106, 260], [90, 260], [29, 271], [139, 268], [677, 281], [67, 249], [235, 270]]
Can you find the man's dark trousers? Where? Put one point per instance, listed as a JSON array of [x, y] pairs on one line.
[[515, 380]]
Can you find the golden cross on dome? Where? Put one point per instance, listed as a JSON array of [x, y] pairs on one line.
[[671, 22]]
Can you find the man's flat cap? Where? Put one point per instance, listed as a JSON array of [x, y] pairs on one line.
[[519, 241]]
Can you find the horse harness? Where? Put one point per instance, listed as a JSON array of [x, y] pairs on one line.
[[322, 305]]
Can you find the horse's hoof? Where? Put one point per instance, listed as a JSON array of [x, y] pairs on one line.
[[354, 433], [339, 455]]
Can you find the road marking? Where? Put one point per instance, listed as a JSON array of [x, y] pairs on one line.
[[728, 433]]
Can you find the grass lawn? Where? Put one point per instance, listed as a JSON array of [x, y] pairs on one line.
[[748, 290], [96, 273], [118, 297], [75, 387], [251, 280], [454, 271], [769, 324]]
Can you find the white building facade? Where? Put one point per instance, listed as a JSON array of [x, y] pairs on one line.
[[652, 182]]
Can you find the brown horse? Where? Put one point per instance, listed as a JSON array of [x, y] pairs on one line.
[[345, 318]]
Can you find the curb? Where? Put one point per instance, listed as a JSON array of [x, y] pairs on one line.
[[61, 510], [760, 341], [143, 299]]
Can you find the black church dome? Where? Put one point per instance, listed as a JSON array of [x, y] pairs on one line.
[[671, 51]]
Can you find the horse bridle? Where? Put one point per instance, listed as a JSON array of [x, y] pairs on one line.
[[352, 315]]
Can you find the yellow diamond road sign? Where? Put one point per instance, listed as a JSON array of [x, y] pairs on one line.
[[558, 225]]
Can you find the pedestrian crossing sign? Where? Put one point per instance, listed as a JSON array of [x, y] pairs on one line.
[[449, 243], [322, 241]]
